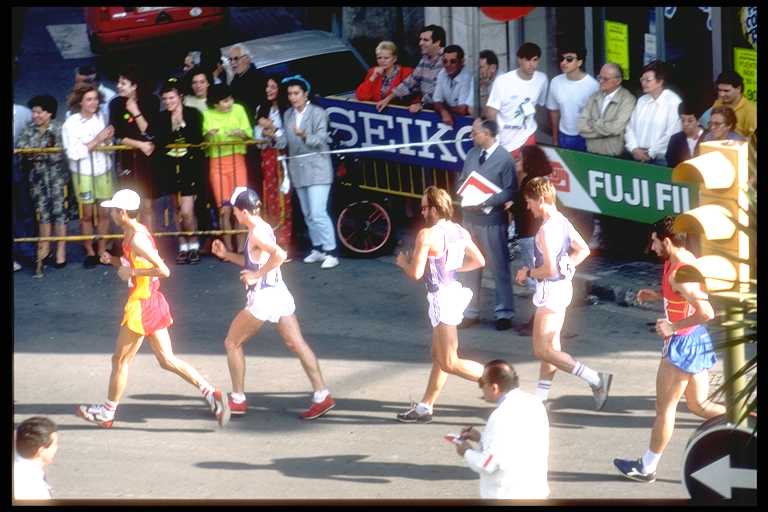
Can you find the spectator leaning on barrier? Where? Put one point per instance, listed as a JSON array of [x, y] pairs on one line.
[[513, 451], [487, 223], [226, 122], [92, 171], [682, 144], [420, 85], [305, 132], [88, 75], [605, 116], [133, 113], [183, 169], [22, 211], [382, 79], [513, 100], [568, 94], [488, 66], [47, 174], [654, 119], [36, 443], [455, 89]]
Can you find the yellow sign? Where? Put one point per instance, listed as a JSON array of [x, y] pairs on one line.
[[617, 45], [745, 64]]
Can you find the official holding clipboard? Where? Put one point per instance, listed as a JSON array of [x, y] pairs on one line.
[[488, 168]]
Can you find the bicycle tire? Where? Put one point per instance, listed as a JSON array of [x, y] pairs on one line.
[[364, 227]]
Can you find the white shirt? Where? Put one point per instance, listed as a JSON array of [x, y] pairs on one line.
[[652, 123], [29, 480], [459, 90], [607, 99], [693, 141], [300, 115], [512, 461], [515, 100], [75, 133], [22, 116], [277, 121], [490, 150], [569, 97]]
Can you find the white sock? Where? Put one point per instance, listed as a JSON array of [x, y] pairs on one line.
[[422, 408], [650, 461], [194, 246], [542, 389], [109, 407], [321, 395], [183, 247], [238, 398], [586, 373], [205, 388]]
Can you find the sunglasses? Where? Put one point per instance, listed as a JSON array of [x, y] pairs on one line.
[[568, 58], [450, 61], [235, 59]]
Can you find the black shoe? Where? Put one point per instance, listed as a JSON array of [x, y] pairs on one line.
[[90, 261], [182, 258], [467, 322], [60, 265], [412, 416], [633, 469], [194, 257], [502, 324]]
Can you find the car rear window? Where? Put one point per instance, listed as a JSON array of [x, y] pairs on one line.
[[331, 73]]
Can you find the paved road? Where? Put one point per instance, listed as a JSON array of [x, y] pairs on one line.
[[368, 325]]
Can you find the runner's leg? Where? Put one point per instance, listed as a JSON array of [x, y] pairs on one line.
[[289, 330], [243, 327], [160, 341], [128, 343], [670, 385], [697, 397]]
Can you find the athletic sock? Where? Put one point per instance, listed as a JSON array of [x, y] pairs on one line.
[[422, 409], [206, 389], [184, 247], [586, 373], [542, 389], [650, 461], [321, 395], [109, 407], [238, 398]]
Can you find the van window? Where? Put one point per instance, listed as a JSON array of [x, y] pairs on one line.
[[331, 73]]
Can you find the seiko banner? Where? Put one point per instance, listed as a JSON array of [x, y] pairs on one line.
[[360, 125], [584, 181]]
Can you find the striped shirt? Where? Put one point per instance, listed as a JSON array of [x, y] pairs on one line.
[[422, 80]]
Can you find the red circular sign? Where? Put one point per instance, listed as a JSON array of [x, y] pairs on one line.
[[506, 13]]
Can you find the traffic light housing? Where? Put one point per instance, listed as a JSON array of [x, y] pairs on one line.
[[722, 216]]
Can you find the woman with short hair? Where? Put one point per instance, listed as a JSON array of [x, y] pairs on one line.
[[385, 76]]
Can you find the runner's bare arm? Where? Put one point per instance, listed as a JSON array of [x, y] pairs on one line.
[[143, 247], [548, 268], [696, 297], [414, 268], [579, 248], [647, 295], [473, 258], [220, 251]]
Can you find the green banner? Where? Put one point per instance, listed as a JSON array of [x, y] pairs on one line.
[[616, 187]]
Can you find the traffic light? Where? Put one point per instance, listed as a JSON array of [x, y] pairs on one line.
[[721, 173]]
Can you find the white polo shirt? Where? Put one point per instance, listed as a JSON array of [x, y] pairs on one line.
[[459, 90], [515, 100], [75, 133]]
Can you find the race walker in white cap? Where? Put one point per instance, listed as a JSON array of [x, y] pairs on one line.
[[267, 300], [146, 314]]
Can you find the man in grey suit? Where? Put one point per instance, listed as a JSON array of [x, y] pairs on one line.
[[487, 222]]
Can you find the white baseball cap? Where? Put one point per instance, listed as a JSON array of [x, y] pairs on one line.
[[125, 199]]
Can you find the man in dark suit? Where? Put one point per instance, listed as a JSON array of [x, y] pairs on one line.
[[682, 144], [488, 222]]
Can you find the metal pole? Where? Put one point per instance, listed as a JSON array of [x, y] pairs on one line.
[[733, 361]]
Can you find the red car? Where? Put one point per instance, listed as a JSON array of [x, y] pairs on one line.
[[113, 27]]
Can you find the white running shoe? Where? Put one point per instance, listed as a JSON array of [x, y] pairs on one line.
[[16, 266], [330, 262], [315, 256]]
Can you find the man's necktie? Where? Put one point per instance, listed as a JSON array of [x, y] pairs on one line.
[[482, 157]]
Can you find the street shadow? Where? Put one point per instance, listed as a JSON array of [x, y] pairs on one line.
[[349, 468]]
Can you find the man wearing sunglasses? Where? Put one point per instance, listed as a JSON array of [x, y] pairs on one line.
[[511, 457], [513, 100], [568, 93], [455, 89]]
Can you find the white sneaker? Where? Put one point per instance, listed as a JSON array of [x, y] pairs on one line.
[[315, 256], [330, 262], [16, 266]]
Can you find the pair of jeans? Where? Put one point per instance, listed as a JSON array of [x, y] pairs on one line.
[[314, 206], [576, 142]]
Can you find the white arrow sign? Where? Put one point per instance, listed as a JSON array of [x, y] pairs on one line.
[[721, 477]]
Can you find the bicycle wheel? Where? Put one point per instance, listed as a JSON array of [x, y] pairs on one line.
[[364, 227]]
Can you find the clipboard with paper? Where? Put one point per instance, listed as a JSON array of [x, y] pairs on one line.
[[476, 189]]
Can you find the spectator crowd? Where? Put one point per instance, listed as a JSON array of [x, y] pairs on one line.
[[250, 120]]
